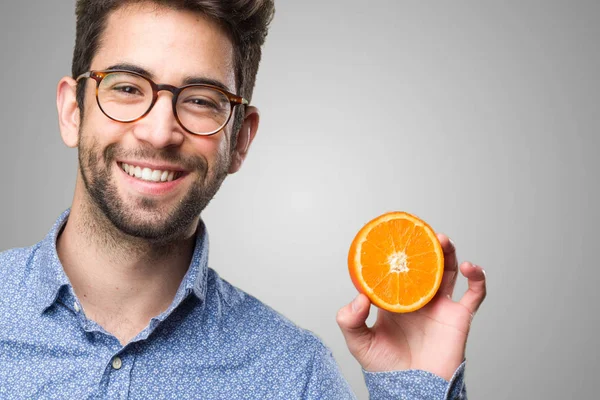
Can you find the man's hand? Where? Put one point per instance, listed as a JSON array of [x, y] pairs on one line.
[[432, 338]]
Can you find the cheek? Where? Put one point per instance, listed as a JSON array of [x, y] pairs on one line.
[[224, 147], [223, 153], [211, 148], [104, 130]]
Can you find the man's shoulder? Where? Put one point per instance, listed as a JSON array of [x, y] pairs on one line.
[[16, 267], [248, 315], [13, 261]]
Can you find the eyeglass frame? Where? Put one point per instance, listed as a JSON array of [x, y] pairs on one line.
[[98, 76]]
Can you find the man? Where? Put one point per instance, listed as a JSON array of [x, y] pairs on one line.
[[118, 300]]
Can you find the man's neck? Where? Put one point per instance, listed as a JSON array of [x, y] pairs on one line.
[[122, 282]]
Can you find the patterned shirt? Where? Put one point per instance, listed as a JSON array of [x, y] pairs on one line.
[[213, 342]]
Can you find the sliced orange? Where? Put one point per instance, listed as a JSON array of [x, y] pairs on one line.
[[397, 261]]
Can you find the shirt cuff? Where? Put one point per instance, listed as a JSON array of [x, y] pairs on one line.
[[415, 384]]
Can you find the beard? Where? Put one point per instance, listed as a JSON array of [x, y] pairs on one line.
[[146, 218]]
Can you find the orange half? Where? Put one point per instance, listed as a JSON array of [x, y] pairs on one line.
[[397, 261]]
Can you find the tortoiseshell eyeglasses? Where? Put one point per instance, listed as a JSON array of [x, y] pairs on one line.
[[127, 96]]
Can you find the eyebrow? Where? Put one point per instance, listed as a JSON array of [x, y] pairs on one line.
[[190, 80]]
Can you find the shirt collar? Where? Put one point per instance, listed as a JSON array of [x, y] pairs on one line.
[[49, 276]]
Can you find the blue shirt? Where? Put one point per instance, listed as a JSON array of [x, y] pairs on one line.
[[213, 342]]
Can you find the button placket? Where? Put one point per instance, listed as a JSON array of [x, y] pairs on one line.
[[119, 374]]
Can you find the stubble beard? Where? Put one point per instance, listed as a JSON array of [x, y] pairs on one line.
[[146, 219]]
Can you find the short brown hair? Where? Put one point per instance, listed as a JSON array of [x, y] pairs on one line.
[[246, 21]]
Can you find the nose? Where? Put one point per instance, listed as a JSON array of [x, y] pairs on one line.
[[159, 127]]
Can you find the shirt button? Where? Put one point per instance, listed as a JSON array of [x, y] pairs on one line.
[[117, 363], [76, 307]]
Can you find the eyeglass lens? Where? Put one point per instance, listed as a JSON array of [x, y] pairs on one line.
[[126, 97]]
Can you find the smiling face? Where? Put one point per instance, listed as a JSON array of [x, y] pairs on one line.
[[151, 178]]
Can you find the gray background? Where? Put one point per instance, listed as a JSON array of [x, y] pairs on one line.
[[480, 117]]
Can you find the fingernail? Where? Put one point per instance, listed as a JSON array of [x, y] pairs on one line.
[[355, 306], [475, 266]]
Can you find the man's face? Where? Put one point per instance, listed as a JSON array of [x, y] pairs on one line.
[[172, 46]]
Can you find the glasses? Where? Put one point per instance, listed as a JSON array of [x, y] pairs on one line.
[[126, 96]]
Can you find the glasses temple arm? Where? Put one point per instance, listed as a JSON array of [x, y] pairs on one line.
[[84, 75]]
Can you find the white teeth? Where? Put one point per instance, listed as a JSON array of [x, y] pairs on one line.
[[156, 175], [148, 174]]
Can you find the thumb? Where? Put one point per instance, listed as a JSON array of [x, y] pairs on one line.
[[351, 320]]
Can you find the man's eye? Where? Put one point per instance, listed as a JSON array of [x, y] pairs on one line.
[[202, 102], [127, 89]]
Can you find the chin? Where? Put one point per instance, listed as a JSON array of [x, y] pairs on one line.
[[153, 224]]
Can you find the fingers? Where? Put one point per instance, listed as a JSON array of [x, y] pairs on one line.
[[351, 320], [476, 292], [450, 266]]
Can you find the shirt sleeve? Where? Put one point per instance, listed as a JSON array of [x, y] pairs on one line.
[[415, 385], [325, 382]]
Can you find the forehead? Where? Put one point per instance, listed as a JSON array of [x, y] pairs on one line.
[[171, 44]]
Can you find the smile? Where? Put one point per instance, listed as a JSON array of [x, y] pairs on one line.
[[150, 175]]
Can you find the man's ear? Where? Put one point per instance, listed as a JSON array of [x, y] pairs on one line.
[[68, 112], [245, 137]]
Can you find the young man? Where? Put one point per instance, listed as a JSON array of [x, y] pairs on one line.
[[118, 300]]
